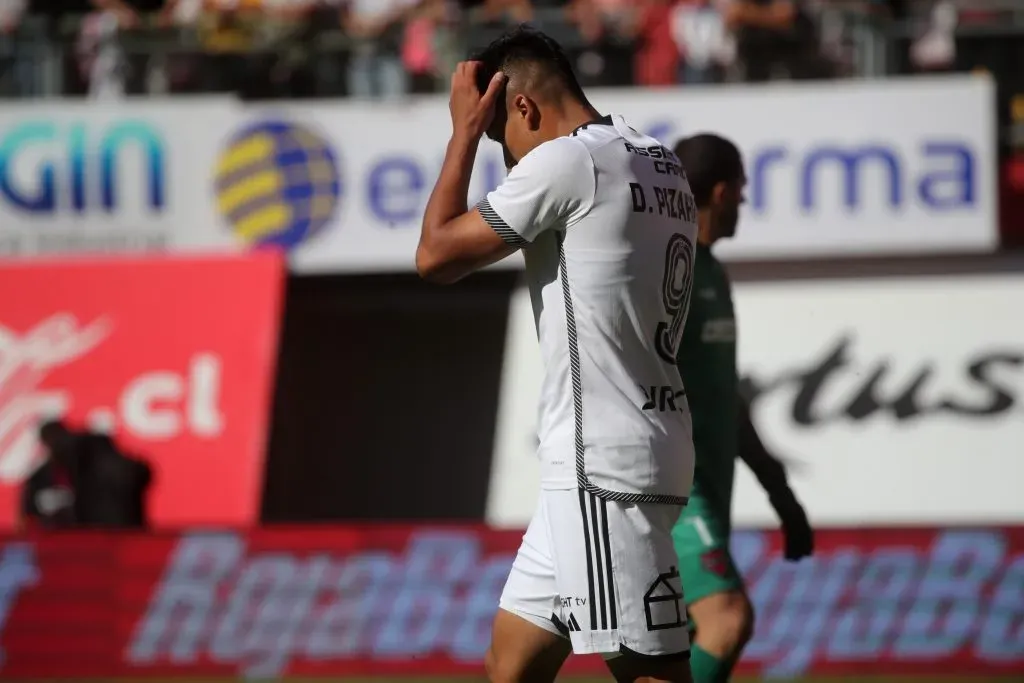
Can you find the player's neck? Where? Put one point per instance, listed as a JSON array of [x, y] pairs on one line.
[[573, 115], [705, 235]]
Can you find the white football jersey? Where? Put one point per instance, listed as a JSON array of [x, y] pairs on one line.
[[607, 224]]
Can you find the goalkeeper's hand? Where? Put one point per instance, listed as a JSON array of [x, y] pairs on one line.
[[796, 528]]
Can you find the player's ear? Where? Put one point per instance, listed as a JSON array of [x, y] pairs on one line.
[[529, 111], [719, 192]]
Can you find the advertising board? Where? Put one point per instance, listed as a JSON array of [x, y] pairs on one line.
[[893, 401], [836, 170], [379, 601], [850, 169], [892, 167], [97, 177], [173, 357]]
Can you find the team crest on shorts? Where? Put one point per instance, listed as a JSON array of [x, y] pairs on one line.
[[662, 603]]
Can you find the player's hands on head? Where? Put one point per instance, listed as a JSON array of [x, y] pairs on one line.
[[472, 113], [796, 528]]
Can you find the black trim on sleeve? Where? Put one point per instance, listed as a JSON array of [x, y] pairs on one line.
[[498, 224]]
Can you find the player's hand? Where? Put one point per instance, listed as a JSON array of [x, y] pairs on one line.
[[472, 113], [796, 528]]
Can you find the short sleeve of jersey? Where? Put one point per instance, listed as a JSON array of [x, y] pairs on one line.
[[552, 186]]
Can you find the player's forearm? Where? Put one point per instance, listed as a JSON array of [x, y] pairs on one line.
[[448, 200], [768, 470]]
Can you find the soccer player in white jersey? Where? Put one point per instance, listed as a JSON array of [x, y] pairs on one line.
[[607, 225]]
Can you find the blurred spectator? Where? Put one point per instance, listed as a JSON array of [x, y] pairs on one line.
[[11, 12], [293, 29], [375, 65], [644, 24], [103, 63], [508, 11], [229, 34], [490, 18], [44, 26], [15, 68], [936, 49], [775, 39], [607, 29], [112, 486], [84, 481], [48, 496], [421, 44], [657, 55], [128, 12], [707, 46]]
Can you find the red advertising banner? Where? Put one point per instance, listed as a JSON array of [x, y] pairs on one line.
[[175, 356], [341, 601]]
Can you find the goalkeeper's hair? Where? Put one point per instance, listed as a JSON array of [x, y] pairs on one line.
[[708, 160]]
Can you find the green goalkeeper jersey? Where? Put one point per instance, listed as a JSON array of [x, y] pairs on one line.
[[707, 363]]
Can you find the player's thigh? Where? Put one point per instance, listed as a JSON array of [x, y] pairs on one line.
[[617, 579], [526, 642], [706, 565]]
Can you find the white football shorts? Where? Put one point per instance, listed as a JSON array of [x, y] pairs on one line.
[[602, 573]]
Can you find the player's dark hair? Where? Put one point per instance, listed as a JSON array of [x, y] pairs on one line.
[[526, 51], [708, 160]]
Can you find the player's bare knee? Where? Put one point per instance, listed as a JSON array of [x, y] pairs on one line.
[[521, 652], [680, 673], [491, 666], [635, 668], [504, 665], [725, 623], [502, 669], [746, 622], [734, 624], [517, 669], [680, 677]]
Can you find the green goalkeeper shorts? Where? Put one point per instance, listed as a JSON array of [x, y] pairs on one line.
[[701, 538]]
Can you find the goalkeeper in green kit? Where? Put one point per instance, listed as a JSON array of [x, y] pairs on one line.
[[719, 609]]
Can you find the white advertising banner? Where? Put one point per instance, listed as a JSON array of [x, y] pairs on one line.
[[109, 176], [894, 401], [849, 168], [902, 166]]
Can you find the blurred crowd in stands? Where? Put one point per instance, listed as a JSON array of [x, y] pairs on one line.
[[387, 48]]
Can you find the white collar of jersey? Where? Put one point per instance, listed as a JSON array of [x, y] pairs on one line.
[[607, 120]]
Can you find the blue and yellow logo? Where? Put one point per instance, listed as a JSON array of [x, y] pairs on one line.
[[278, 184]]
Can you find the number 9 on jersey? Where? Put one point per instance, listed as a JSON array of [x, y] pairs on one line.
[[676, 284]]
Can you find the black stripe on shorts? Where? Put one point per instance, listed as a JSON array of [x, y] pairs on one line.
[[600, 579]]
